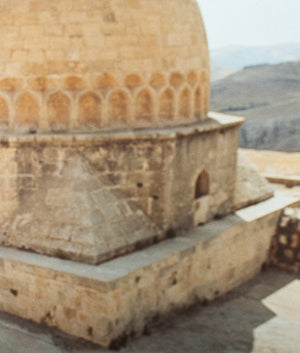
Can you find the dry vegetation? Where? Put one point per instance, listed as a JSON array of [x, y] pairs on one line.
[[268, 96]]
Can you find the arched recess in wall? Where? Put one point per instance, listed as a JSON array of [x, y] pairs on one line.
[[167, 104], [118, 106], [192, 78], [59, 107], [89, 110], [74, 83], [204, 76], [133, 80], [144, 105], [158, 80], [106, 80], [197, 102], [27, 110], [176, 79], [205, 100], [4, 112], [202, 184], [185, 103]]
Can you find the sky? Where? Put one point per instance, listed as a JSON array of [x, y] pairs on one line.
[[251, 22]]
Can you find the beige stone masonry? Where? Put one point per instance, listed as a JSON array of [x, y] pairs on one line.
[[103, 303], [105, 64], [92, 197]]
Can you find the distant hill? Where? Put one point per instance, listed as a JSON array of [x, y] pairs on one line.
[[230, 59], [269, 97]]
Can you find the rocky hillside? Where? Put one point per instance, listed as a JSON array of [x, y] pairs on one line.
[[230, 59], [269, 97]]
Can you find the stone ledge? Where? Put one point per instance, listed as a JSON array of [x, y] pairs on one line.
[[122, 266], [105, 302], [226, 119], [215, 122], [289, 181]]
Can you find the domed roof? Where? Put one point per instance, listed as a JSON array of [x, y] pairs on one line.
[[77, 65]]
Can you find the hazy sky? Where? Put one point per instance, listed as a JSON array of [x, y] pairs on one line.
[[251, 22]]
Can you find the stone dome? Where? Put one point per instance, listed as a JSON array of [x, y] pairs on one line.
[[83, 65]]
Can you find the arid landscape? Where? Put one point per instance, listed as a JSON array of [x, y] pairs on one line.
[[232, 58], [268, 97]]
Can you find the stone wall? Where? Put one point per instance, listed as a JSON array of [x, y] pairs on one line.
[[39, 38], [93, 197], [285, 252], [112, 301], [88, 65], [101, 101]]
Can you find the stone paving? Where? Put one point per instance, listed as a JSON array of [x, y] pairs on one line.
[[262, 316]]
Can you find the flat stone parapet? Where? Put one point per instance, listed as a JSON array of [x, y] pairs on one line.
[[289, 181], [215, 122], [110, 301]]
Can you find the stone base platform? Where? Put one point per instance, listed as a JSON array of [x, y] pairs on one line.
[[107, 302]]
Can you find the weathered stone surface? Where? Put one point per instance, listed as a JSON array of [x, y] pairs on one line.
[[93, 197], [116, 51], [118, 298], [251, 187], [237, 322], [68, 211]]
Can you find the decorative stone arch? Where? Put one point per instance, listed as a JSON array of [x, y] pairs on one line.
[[59, 111], [176, 79], [89, 110], [204, 76], [192, 78], [74, 83], [185, 102], [205, 100], [167, 104], [198, 102], [4, 112], [202, 184], [119, 106], [133, 80], [144, 105], [158, 80], [105, 81], [11, 84], [27, 110]]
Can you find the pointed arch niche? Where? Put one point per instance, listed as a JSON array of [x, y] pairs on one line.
[[4, 112], [202, 184], [59, 107], [198, 102], [167, 105], [185, 103], [205, 102], [144, 105], [27, 110], [118, 106], [89, 109]]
